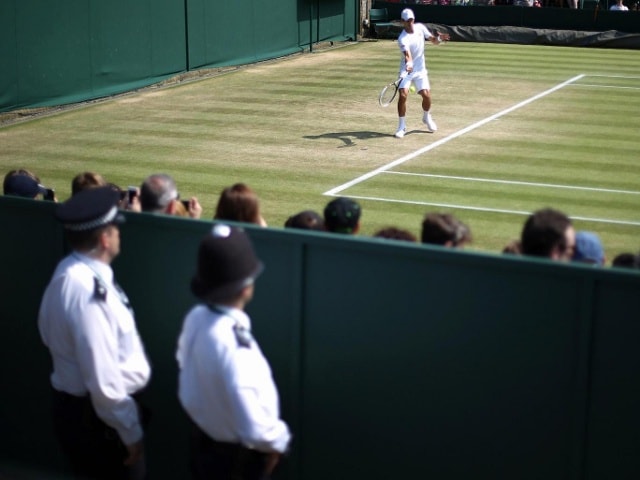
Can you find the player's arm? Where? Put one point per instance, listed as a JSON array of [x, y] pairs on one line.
[[408, 61], [438, 37]]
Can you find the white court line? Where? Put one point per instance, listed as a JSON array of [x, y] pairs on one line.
[[604, 86], [494, 210], [614, 76], [515, 182], [400, 161]]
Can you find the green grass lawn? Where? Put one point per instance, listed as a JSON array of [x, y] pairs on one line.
[[515, 134]]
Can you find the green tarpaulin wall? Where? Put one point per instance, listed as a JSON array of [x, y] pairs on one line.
[[53, 53]]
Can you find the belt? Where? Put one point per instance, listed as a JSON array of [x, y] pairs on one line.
[[226, 448]]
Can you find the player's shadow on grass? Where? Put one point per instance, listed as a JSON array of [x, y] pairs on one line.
[[350, 138]]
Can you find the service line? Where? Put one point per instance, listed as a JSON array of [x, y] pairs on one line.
[[492, 210], [335, 191], [515, 182]]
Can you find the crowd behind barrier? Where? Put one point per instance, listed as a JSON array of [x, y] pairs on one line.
[[159, 194]]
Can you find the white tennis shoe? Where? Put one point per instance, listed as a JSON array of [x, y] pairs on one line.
[[400, 133], [428, 121]]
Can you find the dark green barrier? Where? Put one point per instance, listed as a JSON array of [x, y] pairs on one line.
[[53, 53], [393, 361], [64, 52]]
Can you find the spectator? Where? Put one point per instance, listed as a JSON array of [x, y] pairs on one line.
[[85, 180], [305, 220], [159, 194], [239, 203], [446, 230], [394, 233], [225, 383], [99, 363], [23, 183], [588, 249], [129, 198], [342, 215], [548, 233], [626, 260], [619, 7], [513, 248]]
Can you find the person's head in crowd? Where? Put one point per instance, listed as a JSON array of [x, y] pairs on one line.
[[342, 215], [626, 260], [90, 219], [444, 229], [588, 249], [394, 233], [239, 203], [159, 194], [23, 183], [305, 220], [227, 267], [550, 234], [513, 248], [85, 180]]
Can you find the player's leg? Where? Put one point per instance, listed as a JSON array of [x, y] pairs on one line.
[[403, 93], [424, 89]]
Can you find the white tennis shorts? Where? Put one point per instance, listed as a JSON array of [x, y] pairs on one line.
[[419, 79]]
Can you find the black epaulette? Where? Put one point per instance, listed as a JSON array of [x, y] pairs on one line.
[[243, 336], [99, 289]]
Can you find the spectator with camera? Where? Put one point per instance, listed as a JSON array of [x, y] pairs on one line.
[[24, 183], [159, 194]]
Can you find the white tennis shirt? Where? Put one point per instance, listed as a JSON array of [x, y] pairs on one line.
[[227, 388], [414, 43], [94, 343]]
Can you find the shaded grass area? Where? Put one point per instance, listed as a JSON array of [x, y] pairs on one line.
[[297, 128]]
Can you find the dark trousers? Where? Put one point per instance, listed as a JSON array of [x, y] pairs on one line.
[[93, 449], [212, 460]]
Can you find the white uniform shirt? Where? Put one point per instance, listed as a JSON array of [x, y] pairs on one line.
[[94, 343], [414, 43], [227, 388]]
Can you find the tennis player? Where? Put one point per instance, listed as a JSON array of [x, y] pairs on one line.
[[411, 42]]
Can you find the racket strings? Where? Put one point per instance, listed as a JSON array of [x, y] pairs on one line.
[[387, 94]]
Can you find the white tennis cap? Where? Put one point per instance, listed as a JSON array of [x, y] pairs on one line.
[[407, 14]]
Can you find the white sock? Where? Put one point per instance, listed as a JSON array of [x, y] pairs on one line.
[[401, 124]]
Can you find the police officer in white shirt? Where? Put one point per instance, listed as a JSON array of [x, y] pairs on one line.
[[99, 362], [225, 382]]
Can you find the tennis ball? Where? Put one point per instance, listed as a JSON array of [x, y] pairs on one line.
[[412, 89]]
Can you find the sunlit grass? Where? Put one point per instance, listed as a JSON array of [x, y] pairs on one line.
[[296, 128]]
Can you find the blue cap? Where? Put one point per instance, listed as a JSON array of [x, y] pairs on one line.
[[22, 185], [588, 248]]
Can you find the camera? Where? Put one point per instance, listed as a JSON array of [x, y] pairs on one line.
[[49, 194], [185, 203], [132, 193]]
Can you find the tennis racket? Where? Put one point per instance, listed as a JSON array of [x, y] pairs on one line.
[[389, 92]]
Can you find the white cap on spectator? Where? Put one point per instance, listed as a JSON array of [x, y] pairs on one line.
[[407, 14]]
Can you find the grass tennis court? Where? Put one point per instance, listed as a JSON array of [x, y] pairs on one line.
[[520, 128]]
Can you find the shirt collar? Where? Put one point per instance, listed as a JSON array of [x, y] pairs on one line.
[[238, 315], [103, 270]]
